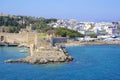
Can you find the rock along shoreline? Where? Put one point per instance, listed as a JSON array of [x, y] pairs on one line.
[[44, 58], [31, 60]]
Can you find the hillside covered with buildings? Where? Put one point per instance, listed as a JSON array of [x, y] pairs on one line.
[[87, 28], [58, 27]]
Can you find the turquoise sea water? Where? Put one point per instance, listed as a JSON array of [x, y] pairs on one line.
[[100, 62]]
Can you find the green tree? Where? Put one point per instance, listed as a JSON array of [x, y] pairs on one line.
[[63, 32], [93, 36]]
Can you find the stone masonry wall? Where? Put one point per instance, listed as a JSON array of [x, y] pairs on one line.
[[27, 37]]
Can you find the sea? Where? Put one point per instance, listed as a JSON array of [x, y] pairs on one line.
[[91, 62]]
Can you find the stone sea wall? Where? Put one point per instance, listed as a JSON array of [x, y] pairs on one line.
[[22, 38], [78, 43]]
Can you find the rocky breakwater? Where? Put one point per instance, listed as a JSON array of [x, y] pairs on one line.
[[45, 55]]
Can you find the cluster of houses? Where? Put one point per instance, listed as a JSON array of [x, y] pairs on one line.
[[101, 29], [86, 28]]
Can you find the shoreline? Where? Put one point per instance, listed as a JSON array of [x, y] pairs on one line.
[[77, 43], [56, 56]]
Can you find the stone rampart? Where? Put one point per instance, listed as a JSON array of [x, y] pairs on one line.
[[26, 37]]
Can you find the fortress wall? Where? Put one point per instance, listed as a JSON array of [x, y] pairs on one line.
[[16, 37], [27, 38]]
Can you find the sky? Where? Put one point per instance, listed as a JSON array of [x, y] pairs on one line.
[[82, 10]]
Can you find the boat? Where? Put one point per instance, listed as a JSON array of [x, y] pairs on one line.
[[8, 44], [12, 44], [3, 44], [23, 50]]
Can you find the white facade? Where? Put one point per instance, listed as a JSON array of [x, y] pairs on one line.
[[106, 27]]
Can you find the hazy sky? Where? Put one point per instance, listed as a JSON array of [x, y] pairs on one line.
[[83, 10]]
